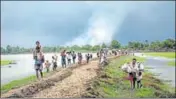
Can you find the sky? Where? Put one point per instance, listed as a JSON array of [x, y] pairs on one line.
[[56, 23]]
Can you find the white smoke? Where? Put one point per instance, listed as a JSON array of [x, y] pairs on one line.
[[105, 21]]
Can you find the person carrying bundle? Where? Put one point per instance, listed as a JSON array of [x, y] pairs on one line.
[[134, 70]]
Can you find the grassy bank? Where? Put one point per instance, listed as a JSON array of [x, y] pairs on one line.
[[5, 62], [111, 83], [21, 82], [171, 63], [162, 54], [26, 81]]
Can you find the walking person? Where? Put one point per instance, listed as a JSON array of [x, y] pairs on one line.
[[63, 59], [69, 58], [79, 58], [54, 63], [39, 59], [73, 57], [98, 54], [139, 79], [39, 64], [91, 56], [134, 70], [87, 58], [47, 65]]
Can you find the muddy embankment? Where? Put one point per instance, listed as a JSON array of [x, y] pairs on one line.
[[45, 83]]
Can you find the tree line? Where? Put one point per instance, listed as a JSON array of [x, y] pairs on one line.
[[166, 45]]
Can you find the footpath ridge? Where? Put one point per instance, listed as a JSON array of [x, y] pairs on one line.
[[66, 83]]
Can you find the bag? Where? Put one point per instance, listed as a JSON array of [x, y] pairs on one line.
[[141, 67]]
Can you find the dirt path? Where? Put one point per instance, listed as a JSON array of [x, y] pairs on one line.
[[72, 86], [67, 83]]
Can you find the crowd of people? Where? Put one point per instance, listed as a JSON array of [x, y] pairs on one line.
[[67, 58], [134, 69]]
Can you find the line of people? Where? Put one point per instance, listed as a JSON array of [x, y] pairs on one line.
[[66, 59]]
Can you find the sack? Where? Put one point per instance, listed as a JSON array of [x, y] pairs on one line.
[[141, 67], [126, 68]]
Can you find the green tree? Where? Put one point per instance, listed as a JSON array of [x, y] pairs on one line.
[[103, 45], [3, 51], [115, 44], [96, 47], [9, 49]]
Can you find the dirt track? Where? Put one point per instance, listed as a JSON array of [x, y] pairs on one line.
[[72, 86], [67, 83]]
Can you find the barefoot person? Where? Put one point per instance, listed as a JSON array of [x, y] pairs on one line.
[[139, 79], [63, 58], [39, 59], [80, 58], [47, 65], [87, 58], [39, 64], [54, 63], [69, 58], [134, 70], [73, 57]]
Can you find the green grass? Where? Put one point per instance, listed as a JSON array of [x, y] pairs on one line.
[[171, 63], [18, 83], [162, 54], [5, 62], [111, 83]]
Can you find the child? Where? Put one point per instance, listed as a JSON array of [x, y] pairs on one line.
[[47, 65], [139, 78], [73, 57], [54, 63], [69, 58], [37, 50]]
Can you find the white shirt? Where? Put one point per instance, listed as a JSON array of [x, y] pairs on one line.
[[69, 56], [134, 68]]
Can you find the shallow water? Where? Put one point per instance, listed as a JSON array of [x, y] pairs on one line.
[[159, 66], [24, 66]]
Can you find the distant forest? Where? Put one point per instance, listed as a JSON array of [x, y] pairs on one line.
[[166, 45]]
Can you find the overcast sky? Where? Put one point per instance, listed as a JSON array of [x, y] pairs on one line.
[[85, 22]]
